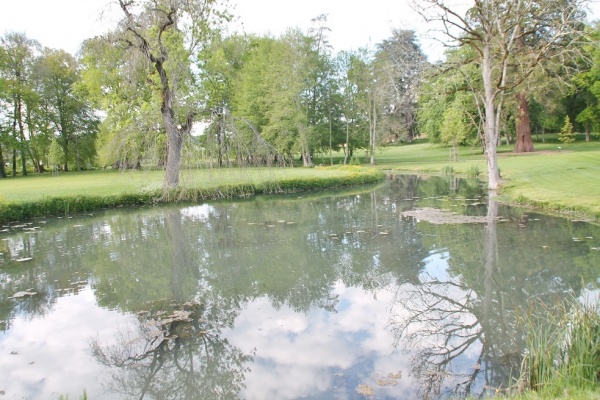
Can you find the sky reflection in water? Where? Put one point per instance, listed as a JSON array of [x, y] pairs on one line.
[[285, 298]]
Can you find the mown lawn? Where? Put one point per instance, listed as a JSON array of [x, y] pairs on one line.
[[112, 182], [556, 177]]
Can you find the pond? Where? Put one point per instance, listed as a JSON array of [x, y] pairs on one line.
[[366, 293]]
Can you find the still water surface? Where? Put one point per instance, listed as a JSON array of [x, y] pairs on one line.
[[337, 295]]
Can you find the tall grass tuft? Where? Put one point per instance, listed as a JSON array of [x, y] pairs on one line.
[[563, 348]]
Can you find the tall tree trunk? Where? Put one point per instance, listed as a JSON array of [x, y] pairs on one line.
[[373, 132], [65, 147], [2, 169], [14, 162], [490, 133], [330, 138], [524, 142], [347, 149], [587, 132], [24, 147], [174, 146]]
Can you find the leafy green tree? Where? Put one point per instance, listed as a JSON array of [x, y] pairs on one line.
[[16, 68], [161, 40], [566, 133], [348, 65], [587, 84], [268, 88], [451, 86], [132, 128], [68, 112], [455, 128]]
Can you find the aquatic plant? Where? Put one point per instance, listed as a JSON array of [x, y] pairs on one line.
[[563, 347]]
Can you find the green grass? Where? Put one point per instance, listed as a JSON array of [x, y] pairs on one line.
[[43, 195], [552, 179], [561, 180], [111, 182]]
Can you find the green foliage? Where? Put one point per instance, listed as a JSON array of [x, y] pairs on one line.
[[448, 170], [563, 347], [566, 133], [473, 172]]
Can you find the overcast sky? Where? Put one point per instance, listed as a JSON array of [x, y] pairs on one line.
[[354, 23]]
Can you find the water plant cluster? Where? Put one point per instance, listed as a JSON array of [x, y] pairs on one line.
[[563, 349]]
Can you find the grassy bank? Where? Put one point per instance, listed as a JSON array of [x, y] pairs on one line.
[[556, 178], [66, 193], [561, 180]]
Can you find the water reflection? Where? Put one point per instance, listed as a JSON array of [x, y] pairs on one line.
[[285, 297], [175, 351]]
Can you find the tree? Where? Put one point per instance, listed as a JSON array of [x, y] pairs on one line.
[[267, 92], [451, 85], [69, 115], [405, 65], [18, 58], [166, 37], [511, 40], [566, 133], [346, 66]]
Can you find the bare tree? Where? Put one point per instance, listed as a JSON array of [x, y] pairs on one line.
[[511, 40]]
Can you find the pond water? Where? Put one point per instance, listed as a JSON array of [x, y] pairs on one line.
[[330, 295]]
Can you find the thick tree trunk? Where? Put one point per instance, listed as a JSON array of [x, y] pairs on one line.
[[524, 142], [174, 146], [490, 133]]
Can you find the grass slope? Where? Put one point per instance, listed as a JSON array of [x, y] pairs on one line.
[[552, 179]]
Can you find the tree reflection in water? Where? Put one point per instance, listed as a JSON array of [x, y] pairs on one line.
[[176, 350], [455, 327]]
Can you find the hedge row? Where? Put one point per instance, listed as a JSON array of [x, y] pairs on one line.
[[83, 204]]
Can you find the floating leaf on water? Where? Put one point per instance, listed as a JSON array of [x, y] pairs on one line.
[[365, 390], [24, 259], [22, 294], [544, 247], [397, 375], [477, 366], [386, 382]]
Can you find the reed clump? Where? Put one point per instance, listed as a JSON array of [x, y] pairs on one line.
[[563, 348]]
